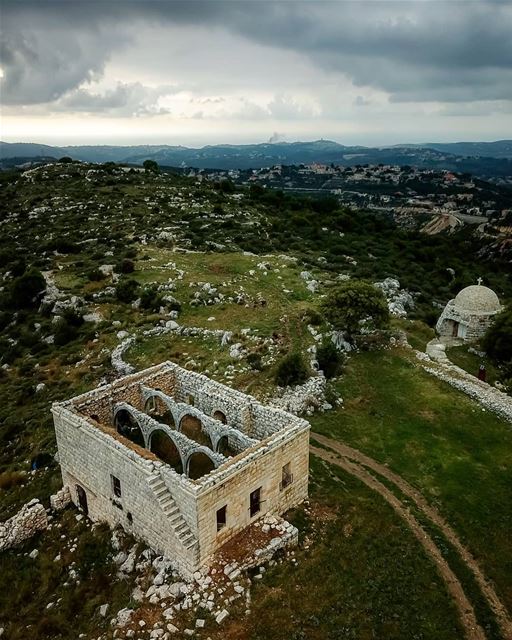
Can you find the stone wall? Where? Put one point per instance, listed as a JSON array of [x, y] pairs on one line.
[[265, 471], [89, 458], [475, 324], [30, 519]]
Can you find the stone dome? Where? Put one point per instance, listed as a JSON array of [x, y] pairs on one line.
[[477, 299]]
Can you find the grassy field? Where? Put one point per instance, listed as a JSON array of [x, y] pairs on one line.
[[365, 577], [457, 454]]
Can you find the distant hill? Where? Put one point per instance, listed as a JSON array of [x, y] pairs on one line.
[[498, 149], [483, 159]]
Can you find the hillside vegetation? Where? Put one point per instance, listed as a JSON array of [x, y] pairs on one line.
[[92, 255]]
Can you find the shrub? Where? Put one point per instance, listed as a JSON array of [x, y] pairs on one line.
[[498, 339], [292, 370], [151, 298], [330, 360], [127, 266], [28, 289], [64, 332], [126, 290], [254, 361], [95, 275]]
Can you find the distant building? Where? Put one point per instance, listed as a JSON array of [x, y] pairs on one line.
[[469, 314]]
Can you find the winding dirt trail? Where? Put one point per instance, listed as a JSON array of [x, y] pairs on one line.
[[502, 617], [473, 631]]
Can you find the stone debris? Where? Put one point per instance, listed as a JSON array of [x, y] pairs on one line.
[[30, 519], [305, 398]]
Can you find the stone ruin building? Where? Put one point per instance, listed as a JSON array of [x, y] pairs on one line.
[[469, 314], [180, 461]]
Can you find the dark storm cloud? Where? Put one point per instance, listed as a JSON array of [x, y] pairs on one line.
[[415, 51]]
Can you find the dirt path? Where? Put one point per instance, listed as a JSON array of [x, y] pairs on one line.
[[434, 516], [472, 629]]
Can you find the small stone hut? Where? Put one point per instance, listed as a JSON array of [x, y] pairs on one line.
[[469, 314]]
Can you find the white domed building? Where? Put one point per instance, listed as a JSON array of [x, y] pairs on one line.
[[469, 314]]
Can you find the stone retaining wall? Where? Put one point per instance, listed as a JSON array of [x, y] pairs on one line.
[[30, 519]]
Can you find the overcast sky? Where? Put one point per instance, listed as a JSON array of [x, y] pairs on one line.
[[198, 72]]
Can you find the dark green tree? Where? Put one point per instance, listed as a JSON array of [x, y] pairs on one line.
[[150, 166], [126, 290], [497, 341], [27, 290], [330, 360], [353, 301]]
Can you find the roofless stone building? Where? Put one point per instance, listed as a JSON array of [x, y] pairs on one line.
[[179, 460], [469, 314]]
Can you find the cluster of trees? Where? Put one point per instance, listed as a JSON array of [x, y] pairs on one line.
[[497, 343], [347, 307]]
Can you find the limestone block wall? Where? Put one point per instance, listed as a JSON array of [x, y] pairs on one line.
[[89, 458], [210, 396], [233, 490], [101, 401], [30, 519]]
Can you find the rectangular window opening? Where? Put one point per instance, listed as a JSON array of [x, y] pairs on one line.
[[221, 517], [255, 501], [116, 486], [286, 476]]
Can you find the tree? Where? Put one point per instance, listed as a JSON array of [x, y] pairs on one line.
[[353, 302], [497, 341], [150, 166]]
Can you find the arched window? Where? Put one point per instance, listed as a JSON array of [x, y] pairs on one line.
[[220, 416]]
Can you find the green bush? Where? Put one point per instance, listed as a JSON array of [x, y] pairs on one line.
[[126, 290], [151, 298], [330, 360], [497, 341], [27, 290], [254, 361], [127, 266], [292, 370]]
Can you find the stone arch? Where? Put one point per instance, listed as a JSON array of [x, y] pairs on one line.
[[163, 446], [220, 416], [223, 446], [156, 407], [199, 463], [127, 425], [192, 427]]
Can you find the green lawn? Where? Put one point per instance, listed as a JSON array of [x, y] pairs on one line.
[[457, 454], [365, 577]]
